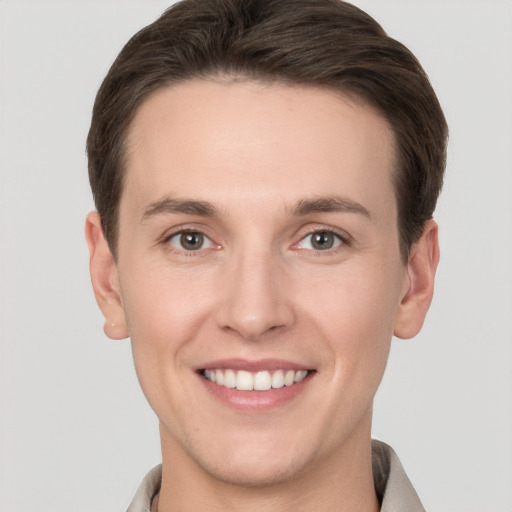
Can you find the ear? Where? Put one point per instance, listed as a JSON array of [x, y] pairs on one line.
[[104, 279], [419, 287]]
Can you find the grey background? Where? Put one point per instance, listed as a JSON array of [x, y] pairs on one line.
[[75, 431]]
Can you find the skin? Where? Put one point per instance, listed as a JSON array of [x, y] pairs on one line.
[[257, 289]]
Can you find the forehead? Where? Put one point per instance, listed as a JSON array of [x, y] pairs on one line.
[[250, 139]]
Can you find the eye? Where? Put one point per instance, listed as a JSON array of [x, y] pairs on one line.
[[190, 241], [321, 241]]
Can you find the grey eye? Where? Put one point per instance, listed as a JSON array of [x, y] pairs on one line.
[[321, 241], [190, 241]]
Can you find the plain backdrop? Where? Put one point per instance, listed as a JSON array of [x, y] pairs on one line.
[[76, 433]]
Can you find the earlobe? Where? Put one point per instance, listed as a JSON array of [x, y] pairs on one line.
[[421, 271], [104, 279]]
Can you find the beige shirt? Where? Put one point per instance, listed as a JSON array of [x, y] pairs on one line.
[[391, 483]]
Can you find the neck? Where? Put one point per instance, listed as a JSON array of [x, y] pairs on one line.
[[341, 481]]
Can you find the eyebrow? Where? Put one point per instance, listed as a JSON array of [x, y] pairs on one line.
[[303, 207], [185, 206], [334, 204]]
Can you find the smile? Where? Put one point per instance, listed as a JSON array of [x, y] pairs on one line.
[[254, 381]]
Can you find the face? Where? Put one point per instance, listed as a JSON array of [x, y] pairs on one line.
[[259, 274]]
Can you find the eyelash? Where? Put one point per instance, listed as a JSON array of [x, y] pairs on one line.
[[184, 231], [343, 239]]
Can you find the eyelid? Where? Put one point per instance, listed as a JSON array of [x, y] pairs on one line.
[[343, 236], [180, 230], [183, 228]]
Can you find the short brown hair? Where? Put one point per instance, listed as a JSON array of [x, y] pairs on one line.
[[326, 43]]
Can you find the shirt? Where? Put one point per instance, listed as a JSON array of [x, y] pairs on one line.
[[394, 490]]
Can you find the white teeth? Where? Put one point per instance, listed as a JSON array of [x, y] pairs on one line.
[[244, 381], [259, 381], [229, 379], [278, 379], [210, 375], [289, 378], [300, 375], [262, 381]]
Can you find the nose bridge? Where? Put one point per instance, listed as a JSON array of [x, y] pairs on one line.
[[255, 301]]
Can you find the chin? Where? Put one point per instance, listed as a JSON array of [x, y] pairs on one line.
[[257, 473], [251, 460]]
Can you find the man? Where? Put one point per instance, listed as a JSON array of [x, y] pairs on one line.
[[265, 175]]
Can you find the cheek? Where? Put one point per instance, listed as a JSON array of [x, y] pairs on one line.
[[355, 312], [164, 311], [163, 316], [355, 297], [160, 300]]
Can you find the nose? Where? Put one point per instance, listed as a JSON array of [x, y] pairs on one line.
[[255, 300]]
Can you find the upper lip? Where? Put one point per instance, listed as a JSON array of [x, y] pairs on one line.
[[253, 365]]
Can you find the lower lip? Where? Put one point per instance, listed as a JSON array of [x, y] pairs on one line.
[[256, 401]]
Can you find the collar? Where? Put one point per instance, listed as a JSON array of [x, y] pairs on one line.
[[393, 488]]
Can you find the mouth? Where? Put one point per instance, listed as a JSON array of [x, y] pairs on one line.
[[264, 380], [255, 386]]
